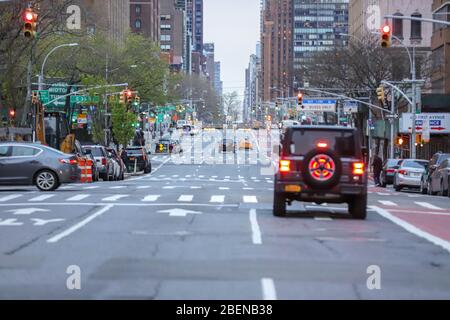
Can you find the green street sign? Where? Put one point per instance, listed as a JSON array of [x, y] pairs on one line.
[[84, 99], [44, 96]]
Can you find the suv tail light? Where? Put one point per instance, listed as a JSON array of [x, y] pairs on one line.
[[358, 168], [285, 166], [403, 172], [390, 170], [103, 161]]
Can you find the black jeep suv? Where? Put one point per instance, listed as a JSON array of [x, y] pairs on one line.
[[321, 164]]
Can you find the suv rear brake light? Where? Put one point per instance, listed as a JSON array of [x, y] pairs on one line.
[[285, 165], [103, 161], [358, 168]]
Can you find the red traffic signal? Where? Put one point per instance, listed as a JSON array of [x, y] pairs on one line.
[[386, 36], [300, 99], [30, 19], [12, 113]]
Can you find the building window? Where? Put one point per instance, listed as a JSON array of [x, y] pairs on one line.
[[138, 24], [165, 47], [397, 26], [165, 37], [138, 9], [166, 27], [416, 27]]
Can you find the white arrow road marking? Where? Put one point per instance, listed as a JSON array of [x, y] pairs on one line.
[[41, 198], [250, 199], [42, 222], [256, 231], [151, 198], [387, 203], [10, 222], [78, 197], [427, 205], [115, 198], [26, 211], [268, 289], [185, 198], [79, 224], [179, 212], [217, 199], [7, 198]]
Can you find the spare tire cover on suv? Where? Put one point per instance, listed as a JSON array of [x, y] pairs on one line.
[[321, 169]]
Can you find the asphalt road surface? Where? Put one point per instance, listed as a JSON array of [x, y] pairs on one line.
[[200, 226]]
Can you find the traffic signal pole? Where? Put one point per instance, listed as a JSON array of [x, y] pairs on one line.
[[414, 106]]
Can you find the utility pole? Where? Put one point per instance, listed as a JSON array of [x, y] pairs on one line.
[[414, 106], [392, 122]]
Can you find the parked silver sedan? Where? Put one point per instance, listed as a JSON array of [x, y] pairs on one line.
[[35, 164], [408, 173]]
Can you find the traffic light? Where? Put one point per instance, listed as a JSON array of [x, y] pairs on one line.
[[419, 140], [12, 114], [34, 98], [300, 100], [122, 97], [381, 94], [276, 104], [386, 36], [129, 96], [30, 19], [400, 140]]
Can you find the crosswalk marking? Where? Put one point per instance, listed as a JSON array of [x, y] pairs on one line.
[[248, 188], [91, 187], [41, 198], [250, 199], [427, 205], [383, 194], [387, 203], [10, 197], [217, 199], [151, 198], [78, 197], [115, 197], [185, 198], [143, 187], [195, 187], [224, 188], [118, 187]]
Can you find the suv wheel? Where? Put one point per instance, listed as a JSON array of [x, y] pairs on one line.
[[279, 205], [321, 169], [358, 208]]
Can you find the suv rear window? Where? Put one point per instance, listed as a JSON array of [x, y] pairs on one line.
[[96, 152], [342, 142]]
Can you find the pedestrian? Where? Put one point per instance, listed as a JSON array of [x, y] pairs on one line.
[[377, 167]]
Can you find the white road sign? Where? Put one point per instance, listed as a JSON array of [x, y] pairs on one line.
[[438, 123], [319, 105]]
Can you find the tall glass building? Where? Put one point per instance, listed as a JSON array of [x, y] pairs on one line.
[[318, 26]]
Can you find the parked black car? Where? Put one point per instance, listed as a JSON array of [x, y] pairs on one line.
[[425, 182], [388, 171], [136, 158], [321, 164]]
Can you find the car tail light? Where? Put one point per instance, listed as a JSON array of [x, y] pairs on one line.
[[358, 168], [285, 165], [403, 172], [69, 161], [103, 161], [390, 170]]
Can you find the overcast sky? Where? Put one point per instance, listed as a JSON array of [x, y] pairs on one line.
[[233, 25]]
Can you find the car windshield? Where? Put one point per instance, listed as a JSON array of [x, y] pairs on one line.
[[342, 142], [416, 164]]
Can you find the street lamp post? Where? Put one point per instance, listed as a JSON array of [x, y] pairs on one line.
[[41, 75]]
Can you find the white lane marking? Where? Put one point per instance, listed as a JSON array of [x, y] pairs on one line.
[[143, 187], [387, 203], [427, 205], [214, 177], [322, 219], [118, 187], [383, 194], [91, 187], [224, 188], [115, 197], [268, 289], [10, 197], [256, 231], [41, 198], [250, 199], [151, 198], [227, 177], [185, 198], [78, 197], [217, 199], [79, 225], [195, 187], [175, 176], [413, 229], [169, 187], [201, 176], [248, 188]]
